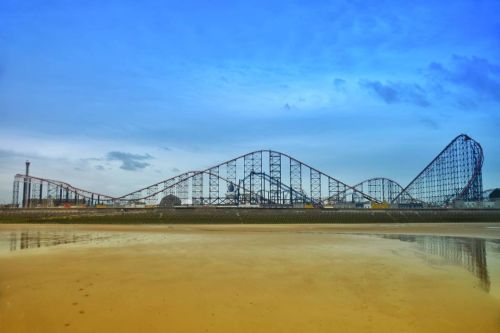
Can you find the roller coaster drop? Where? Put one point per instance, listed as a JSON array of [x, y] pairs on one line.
[[268, 178]]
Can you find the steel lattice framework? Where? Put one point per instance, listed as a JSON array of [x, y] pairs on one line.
[[270, 178], [455, 174], [384, 190]]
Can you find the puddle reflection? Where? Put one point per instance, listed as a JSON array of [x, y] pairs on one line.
[[22, 240], [469, 253]]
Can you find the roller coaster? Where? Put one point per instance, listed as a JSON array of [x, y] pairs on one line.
[[268, 178]]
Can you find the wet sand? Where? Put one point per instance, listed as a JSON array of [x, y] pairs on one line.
[[240, 278]]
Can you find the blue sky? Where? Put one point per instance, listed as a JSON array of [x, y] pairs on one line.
[[113, 95]]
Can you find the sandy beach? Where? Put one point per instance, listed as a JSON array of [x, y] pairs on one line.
[[240, 278]]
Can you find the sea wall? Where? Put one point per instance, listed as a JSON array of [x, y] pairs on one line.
[[246, 215]]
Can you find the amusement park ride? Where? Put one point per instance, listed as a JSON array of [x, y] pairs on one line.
[[267, 178]]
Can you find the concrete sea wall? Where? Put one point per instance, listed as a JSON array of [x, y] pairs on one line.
[[246, 215]]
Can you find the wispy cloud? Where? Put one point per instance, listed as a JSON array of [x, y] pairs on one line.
[[465, 81], [476, 74], [339, 84], [430, 123], [130, 162], [8, 153], [397, 92]]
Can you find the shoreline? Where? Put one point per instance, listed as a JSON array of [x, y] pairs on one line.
[[470, 230]]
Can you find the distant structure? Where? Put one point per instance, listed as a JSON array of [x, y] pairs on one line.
[[170, 201], [27, 187], [267, 178], [494, 195], [491, 198]]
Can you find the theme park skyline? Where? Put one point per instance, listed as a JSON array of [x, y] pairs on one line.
[[112, 98]]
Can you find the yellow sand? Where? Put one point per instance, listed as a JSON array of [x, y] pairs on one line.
[[241, 279]]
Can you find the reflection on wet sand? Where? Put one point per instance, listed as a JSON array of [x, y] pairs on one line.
[[469, 253], [30, 239]]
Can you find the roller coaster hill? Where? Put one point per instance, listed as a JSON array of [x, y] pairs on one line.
[[268, 178]]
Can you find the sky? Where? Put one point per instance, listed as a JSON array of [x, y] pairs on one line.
[[112, 96]]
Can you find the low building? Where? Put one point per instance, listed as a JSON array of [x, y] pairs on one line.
[[494, 198], [170, 201]]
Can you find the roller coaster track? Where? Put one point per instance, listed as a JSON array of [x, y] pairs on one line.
[[381, 188], [269, 177], [454, 174], [255, 169]]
